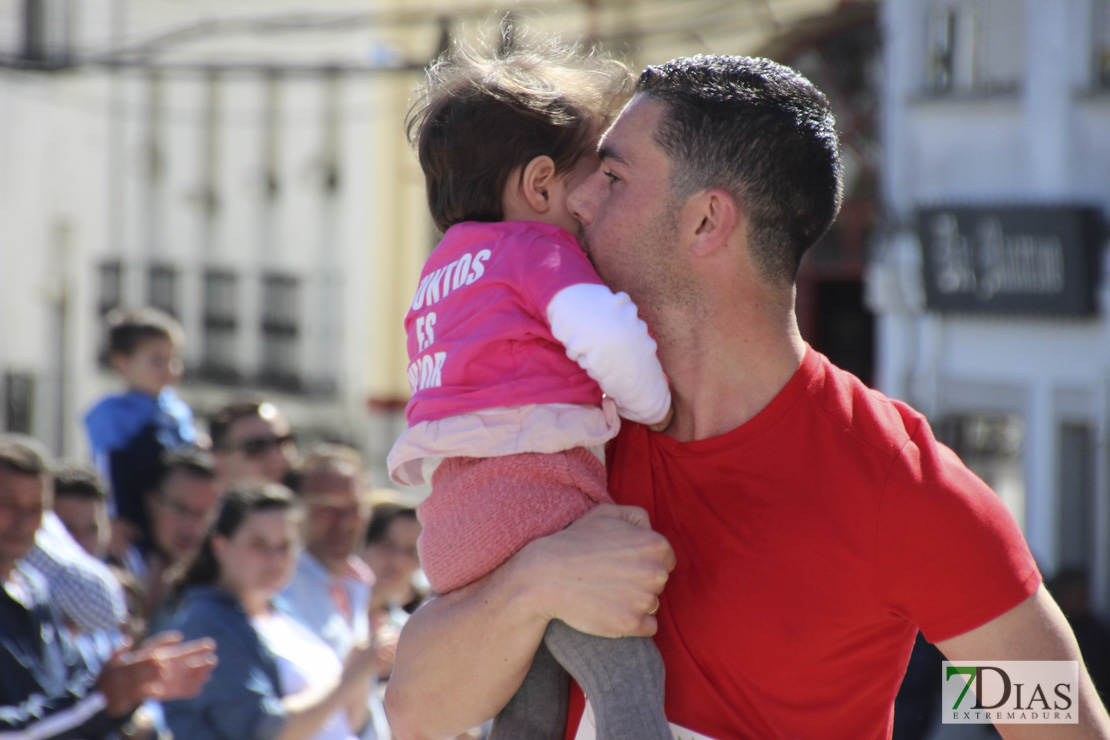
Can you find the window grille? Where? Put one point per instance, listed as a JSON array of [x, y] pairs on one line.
[[975, 46], [221, 324]]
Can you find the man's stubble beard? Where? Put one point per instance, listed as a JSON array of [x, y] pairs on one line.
[[667, 294]]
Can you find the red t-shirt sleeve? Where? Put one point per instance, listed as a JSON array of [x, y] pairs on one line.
[[949, 555], [554, 261]]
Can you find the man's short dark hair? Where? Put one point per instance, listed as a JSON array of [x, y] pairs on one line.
[[764, 133], [192, 461], [382, 516], [220, 423], [80, 481], [128, 328], [22, 454], [330, 456]]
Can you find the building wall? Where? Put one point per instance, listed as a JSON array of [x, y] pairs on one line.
[[150, 162], [269, 164], [52, 213], [1018, 130]]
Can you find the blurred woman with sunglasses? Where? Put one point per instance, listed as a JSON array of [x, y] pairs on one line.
[[251, 442]]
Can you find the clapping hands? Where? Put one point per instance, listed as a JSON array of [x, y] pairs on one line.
[[163, 668]]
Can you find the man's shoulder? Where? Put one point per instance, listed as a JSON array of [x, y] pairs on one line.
[[311, 580], [308, 570], [868, 416], [34, 577], [27, 586], [307, 589]]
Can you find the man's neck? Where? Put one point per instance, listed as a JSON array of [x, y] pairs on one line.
[[334, 568], [724, 370]]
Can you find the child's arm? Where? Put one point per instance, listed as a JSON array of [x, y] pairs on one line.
[[603, 334]]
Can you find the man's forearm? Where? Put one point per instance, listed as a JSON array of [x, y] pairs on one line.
[[58, 718], [462, 656], [1035, 630]]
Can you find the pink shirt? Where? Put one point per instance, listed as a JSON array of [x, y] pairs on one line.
[[478, 336]]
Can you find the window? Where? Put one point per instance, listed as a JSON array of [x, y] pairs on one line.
[[975, 46], [1102, 44], [111, 286], [48, 30], [19, 402], [1076, 467], [162, 288], [280, 331], [110, 296], [221, 300]]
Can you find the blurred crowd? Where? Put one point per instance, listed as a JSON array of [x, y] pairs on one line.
[[212, 580], [282, 562]]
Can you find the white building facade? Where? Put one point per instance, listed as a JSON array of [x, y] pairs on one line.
[[990, 281], [225, 173], [242, 164]]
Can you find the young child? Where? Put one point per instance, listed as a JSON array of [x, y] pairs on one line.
[[513, 339], [128, 432]]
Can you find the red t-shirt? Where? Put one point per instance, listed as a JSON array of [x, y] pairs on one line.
[[812, 543]]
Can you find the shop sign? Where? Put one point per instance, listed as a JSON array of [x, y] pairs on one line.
[[1010, 260]]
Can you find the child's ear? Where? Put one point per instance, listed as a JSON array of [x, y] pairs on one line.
[[117, 360], [537, 182]]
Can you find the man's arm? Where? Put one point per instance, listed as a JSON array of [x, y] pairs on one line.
[[1034, 630], [166, 669], [463, 655], [57, 718]]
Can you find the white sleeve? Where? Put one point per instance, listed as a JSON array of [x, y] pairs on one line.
[[603, 334]]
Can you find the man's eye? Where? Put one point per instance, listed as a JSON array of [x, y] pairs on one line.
[[611, 176]]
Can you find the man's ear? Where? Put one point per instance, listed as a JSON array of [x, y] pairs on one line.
[[717, 215], [537, 182]]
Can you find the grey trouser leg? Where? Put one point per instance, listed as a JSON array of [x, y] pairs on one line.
[[538, 709], [623, 678]]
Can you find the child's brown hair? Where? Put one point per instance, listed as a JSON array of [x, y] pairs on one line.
[[483, 113], [128, 328]]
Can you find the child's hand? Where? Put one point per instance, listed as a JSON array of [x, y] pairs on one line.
[[666, 422]]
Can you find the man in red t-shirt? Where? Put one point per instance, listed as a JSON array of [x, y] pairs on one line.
[[805, 527]]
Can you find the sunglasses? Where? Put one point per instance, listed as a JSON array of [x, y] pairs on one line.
[[258, 446]]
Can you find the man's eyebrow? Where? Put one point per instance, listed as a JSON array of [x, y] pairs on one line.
[[606, 151]]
